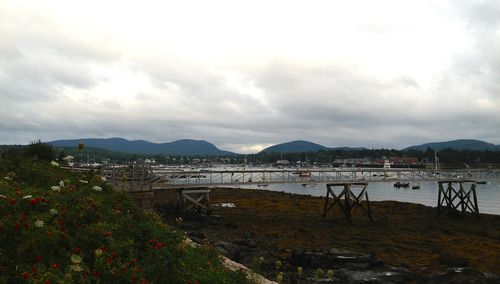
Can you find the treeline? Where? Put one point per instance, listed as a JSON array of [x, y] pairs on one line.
[[455, 158], [462, 158]]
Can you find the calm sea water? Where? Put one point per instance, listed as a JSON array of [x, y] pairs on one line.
[[488, 195]]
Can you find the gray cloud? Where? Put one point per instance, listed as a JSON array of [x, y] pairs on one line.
[[55, 84]]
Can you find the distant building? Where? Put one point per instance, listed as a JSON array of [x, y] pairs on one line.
[[403, 160], [282, 163]]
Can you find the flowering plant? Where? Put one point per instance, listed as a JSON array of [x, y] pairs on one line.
[[65, 230]]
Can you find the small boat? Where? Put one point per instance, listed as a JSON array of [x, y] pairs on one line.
[[415, 186], [481, 182], [303, 173], [264, 184], [401, 184]]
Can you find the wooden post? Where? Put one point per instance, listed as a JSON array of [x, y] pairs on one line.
[[113, 178], [350, 202], [197, 198], [453, 200]]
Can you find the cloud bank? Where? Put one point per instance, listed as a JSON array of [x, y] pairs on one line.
[[248, 75]]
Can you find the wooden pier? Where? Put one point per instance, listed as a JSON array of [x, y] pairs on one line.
[[162, 177], [142, 182]]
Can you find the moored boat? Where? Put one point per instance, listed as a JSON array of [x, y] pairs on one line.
[[401, 184]]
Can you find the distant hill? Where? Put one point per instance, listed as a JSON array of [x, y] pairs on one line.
[[185, 147], [461, 144], [294, 147], [299, 146]]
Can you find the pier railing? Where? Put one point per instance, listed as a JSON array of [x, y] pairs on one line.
[[138, 178]]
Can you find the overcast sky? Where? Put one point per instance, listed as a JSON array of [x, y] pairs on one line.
[[245, 75]]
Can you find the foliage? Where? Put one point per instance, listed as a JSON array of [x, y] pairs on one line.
[[449, 157], [56, 226], [39, 150]]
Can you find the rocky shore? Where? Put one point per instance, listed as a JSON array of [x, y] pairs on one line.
[[275, 232]]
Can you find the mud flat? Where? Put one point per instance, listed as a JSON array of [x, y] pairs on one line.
[[405, 243]]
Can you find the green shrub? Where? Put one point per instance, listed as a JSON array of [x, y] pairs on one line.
[[57, 226], [39, 150]]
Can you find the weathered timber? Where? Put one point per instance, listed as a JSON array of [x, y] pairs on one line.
[[347, 200], [453, 196], [130, 178], [145, 199], [197, 200]]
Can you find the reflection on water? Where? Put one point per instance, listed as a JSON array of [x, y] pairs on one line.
[[488, 195]]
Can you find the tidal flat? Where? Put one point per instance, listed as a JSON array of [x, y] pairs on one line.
[[290, 228]]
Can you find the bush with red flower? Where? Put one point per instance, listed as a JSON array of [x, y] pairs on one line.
[[55, 228]]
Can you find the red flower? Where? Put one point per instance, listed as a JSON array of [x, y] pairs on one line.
[[55, 266], [158, 245], [33, 269], [108, 234], [38, 258], [76, 250], [26, 275], [13, 201], [35, 201], [46, 282]]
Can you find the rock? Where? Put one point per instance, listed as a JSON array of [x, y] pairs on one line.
[[229, 250], [249, 235], [453, 261], [368, 276], [339, 252], [251, 243], [232, 225], [197, 234], [461, 275]]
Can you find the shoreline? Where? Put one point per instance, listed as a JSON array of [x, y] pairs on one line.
[[280, 226]]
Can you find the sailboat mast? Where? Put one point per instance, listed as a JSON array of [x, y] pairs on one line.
[[436, 160]]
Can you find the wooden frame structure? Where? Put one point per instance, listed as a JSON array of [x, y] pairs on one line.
[[136, 181], [452, 199], [194, 199], [350, 200], [130, 178]]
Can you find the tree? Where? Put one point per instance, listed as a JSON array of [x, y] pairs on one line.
[[80, 148], [39, 150]]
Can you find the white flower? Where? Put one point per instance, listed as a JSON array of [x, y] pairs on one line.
[[68, 158], [7, 178], [54, 164], [98, 252], [28, 197], [97, 188], [83, 181], [61, 183], [76, 258], [103, 178], [39, 223], [56, 188], [53, 211], [3, 196], [76, 268]]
